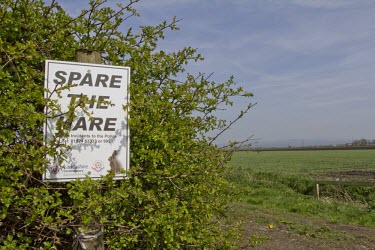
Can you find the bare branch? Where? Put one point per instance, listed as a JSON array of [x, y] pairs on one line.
[[232, 122]]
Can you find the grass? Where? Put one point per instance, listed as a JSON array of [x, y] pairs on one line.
[[305, 162], [284, 182]]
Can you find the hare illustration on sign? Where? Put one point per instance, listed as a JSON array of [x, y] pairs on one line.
[[113, 163]]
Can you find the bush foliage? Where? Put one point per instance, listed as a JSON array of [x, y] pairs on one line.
[[175, 195]]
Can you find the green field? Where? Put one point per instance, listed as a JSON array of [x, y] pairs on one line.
[[284, 182], [305, 162]]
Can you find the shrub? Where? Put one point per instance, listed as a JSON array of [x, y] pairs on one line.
[[175, 196]]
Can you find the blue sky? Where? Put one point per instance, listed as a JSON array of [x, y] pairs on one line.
[[309, 63]]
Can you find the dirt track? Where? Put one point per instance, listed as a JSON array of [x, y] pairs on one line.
[[284, 232]]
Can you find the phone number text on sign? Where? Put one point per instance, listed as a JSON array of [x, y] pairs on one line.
[[91, 139]]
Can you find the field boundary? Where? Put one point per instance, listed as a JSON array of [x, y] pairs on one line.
[[341, 183], [312, 148]]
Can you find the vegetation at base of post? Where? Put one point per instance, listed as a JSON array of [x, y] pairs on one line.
[[175, 197]]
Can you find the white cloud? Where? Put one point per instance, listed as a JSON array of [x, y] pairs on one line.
[[164, 3], [309, 62], [328, 4]]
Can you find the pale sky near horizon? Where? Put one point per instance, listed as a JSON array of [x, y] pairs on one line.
[[309, 63]]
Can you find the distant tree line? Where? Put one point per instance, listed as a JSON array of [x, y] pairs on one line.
[[359, 142]]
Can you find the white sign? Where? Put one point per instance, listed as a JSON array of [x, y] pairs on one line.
[[100, 143]]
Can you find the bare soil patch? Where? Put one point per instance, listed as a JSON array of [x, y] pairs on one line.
[[266, 231]]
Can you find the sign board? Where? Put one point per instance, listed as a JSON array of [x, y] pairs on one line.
[[99, 143]]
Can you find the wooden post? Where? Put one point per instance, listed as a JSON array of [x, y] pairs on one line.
[[90, 237], [88, 56], [342, 183]]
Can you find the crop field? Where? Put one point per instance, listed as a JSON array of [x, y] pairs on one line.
[[278, 198], [305, 162]]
